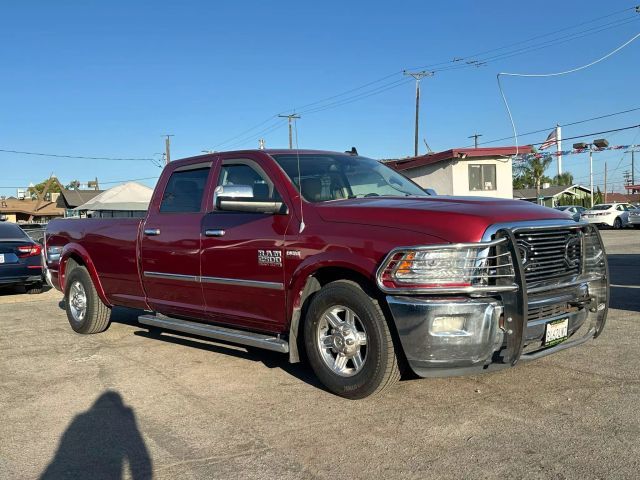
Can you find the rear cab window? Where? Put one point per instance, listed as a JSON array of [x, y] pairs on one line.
[[185, 189]]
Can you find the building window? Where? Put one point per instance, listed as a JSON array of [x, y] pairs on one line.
[[482, 177]]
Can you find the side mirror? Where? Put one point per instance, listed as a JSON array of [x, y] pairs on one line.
[[430, 191], [240, 198]]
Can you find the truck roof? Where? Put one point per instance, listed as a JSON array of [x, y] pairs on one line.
[[268, 151]]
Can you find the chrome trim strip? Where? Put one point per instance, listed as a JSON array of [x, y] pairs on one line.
[[172, 276], [219, 280], [574, 283], [529, 225], [243, 283]]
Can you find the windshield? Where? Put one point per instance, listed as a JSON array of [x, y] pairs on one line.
[[335, 177], [601, 207], [562, 208]]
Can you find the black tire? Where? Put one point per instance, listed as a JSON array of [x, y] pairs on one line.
[[380, 368], [617, 223], [34, 289], [97, 314]]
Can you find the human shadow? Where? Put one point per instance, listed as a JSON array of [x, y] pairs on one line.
[[100, 442]]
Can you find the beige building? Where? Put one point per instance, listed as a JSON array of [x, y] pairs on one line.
[[28, 210], [484, 172]]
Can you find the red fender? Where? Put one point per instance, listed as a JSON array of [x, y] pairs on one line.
[[74, 249]]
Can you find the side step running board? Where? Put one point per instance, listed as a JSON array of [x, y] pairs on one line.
[[259, 340]]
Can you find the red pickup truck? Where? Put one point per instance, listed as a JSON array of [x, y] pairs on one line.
[[342, 259]]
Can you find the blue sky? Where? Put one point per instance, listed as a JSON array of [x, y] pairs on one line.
[[109, 78]]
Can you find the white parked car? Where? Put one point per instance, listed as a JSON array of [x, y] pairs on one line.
[[614, 215]]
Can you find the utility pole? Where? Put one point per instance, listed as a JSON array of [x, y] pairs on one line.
[[591, 172], [605, 182], [475, 139], [290, 117], [167, 148], [633, 167], [417, 76]]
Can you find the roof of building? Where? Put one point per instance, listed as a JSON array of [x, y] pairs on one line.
[[552, 191], [27, 206], [130, 196], [623, 197], [456, 154], [74, 198]]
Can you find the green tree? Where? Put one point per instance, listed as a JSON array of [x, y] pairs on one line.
[[530, 174], [73, 185], [38, 188], [564, 179]]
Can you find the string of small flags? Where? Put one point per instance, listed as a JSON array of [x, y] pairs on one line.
[[575, 151]]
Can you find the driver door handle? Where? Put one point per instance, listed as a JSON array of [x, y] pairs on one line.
[[217, 232], [151, 232]]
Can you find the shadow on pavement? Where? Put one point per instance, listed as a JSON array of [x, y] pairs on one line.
[[624, 271], [99, 442]]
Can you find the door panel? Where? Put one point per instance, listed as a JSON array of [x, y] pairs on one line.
[[242, 266], [170, 245]]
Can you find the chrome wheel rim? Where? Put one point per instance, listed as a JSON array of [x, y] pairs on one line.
[[78, 301], [342, 341]]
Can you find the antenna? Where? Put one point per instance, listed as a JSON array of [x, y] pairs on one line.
[[302, 224]]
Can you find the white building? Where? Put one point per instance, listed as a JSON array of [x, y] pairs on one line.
[[485, 172]]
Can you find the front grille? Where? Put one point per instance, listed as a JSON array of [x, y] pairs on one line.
[[550, 254], [549, 311]]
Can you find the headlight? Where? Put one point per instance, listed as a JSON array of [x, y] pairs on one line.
[[457, 267]]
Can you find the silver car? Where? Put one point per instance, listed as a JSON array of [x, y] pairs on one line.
[[574, 210]]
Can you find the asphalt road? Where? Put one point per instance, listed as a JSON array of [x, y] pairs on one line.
[[127, 404]]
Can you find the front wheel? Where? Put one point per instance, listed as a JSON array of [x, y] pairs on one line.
[[85, 311], [348, 341]]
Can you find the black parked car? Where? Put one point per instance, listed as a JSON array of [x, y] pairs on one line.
[[20, 259]]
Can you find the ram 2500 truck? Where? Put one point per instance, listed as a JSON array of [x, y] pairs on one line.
[[339, 259]]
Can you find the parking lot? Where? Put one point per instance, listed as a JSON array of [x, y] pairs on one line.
[[132, 403]]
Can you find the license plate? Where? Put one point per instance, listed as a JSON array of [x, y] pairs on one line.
[[1, 257], [556, 332]]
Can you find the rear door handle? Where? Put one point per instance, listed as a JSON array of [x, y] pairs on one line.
[[214, 233], [152, 232]]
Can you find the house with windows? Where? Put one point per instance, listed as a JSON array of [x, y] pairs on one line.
[[485, 172]]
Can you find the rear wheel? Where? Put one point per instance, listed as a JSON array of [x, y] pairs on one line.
[[348, 341], [85, 311], [617, 223]]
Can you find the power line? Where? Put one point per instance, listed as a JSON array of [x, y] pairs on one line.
[[594, 133], [546, 129], [78, 156]]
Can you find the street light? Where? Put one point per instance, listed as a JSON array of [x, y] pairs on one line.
[[598, 143]]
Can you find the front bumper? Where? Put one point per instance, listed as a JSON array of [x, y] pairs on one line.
[[447, 336]]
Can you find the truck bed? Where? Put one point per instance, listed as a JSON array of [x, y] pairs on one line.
[[110, 244]]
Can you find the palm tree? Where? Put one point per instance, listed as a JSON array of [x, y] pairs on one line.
[[534, 169], [564, 179]]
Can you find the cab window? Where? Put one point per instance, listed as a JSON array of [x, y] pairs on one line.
[[184, 191], [245, 174]]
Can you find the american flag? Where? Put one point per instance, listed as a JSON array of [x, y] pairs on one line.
[[551, 140]]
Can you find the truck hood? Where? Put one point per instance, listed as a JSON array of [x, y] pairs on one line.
[[453, 219]]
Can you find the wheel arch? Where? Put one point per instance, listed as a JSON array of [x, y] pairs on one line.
[[311, 280], [73, 256]]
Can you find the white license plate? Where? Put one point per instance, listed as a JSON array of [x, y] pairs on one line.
[[1, 257], [556, 332]]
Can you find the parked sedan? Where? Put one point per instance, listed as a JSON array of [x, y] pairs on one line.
[[614, 215], [634, 217], [574, 210], [20, 259]]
